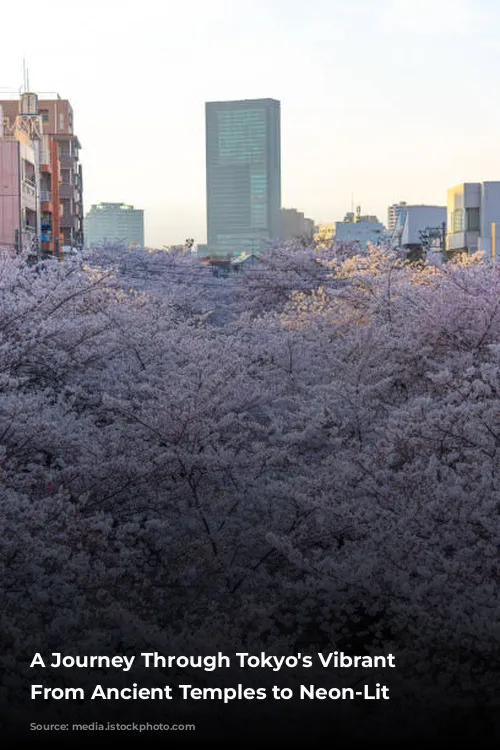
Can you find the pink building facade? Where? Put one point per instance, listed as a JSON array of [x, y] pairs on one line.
[[19, 186], [10, 195]]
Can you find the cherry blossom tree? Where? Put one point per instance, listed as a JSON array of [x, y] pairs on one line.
[[302, 457]]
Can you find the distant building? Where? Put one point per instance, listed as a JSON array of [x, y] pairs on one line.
[[359, 229], [295, 225], [250, 261], [324, 235], [243, 154], [114, 222], [418, 222], [223, 267], [309, 227], [396, 215], [474, 218], [202, 250]]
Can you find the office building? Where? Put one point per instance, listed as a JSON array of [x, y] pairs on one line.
[[294, 225], [115, 223], [243, 159], [474, 218]]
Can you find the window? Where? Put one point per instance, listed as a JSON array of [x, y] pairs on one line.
[[44, 115], [457, 221], [473, 219], [61, 120], [28, 172]]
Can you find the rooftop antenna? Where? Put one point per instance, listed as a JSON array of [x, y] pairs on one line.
[[26, 78]]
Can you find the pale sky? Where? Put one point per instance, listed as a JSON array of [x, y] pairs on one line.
[[382, 100]]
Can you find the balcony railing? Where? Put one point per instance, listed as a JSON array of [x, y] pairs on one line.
[[29, 196], [68, 222], [66, 190], [66, 161], [44, 156], [29, 187]]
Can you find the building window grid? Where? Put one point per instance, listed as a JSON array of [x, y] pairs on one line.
[[241, 135], [457, 221], [258, 198]]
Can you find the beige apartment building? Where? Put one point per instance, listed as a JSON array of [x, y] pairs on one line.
[[294, 225]]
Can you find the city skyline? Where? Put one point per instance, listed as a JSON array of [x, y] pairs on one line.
[[372, 99]]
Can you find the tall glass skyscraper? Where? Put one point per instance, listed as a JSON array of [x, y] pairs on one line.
[[243, 175]]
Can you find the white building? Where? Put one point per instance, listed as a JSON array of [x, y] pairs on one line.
[[360, 229], [417, 220], [114, 222], [474, 218]]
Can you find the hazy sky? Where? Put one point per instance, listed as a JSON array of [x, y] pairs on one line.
[[385, 100]]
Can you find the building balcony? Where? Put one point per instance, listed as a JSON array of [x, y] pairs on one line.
[[66, 161], [44, 160], [67, 190], [46, 204], [69, 222], [28, 195]]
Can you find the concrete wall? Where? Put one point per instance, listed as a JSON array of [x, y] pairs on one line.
[[490, 214], [419, 218], [459, 198], [485, 197]]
